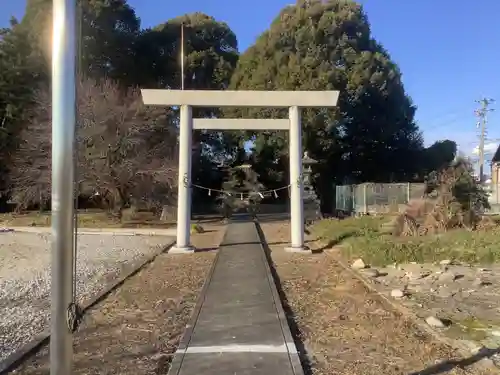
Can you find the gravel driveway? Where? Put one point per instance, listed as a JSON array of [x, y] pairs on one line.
[[25, 277]]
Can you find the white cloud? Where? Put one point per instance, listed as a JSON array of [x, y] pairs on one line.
[[488, 148]]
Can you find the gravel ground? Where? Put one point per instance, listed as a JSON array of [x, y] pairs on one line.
[[25, 277], [346, 328], [136, 329]]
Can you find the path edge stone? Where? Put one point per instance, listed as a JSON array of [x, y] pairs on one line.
[[293, 352], [178, 357]]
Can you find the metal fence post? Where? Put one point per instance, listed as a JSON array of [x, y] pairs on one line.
[[365, 204]]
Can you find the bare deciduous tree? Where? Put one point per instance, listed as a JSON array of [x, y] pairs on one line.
[[126, 151]]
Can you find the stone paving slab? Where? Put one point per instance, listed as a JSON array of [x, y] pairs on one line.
[[238, 363], [239, 326]]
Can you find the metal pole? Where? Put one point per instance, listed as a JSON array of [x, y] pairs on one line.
[[76, 184], [182, 56], [63, 137], [296, 188], [184, 196]]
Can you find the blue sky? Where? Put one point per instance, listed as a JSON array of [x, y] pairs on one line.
[[445, 49]]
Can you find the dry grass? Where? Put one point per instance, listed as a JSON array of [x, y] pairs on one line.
[[95, 219], [137, 328], [347, 329], [86, 219], [366, 238]]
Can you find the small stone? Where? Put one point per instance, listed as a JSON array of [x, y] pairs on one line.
[[477, 349], [370, 272], [417, 275], [445, 293], [447, 277], [397, 293], [471, 346], [480, 282], [435, 322], [159, 356], [445, 262], [358, 264]]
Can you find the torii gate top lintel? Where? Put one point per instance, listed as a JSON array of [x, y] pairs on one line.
[[240, 98]]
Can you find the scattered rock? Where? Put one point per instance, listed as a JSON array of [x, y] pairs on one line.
[[159, 356], [472, 346], [448, 277], [480, 282], [417, 275], [495, 333], [370, 272], [467, 292], [445, 293], [358, 264], [435, 322], [445, 262], [477, 349], [398, 293]]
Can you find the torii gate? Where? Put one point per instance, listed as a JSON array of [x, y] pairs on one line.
[[186, 99]]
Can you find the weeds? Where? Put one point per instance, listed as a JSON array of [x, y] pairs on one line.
[[366, 238]]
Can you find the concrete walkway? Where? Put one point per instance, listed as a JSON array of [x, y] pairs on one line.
[[238, 326]]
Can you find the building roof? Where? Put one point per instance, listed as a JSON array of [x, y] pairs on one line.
[[496, 157]]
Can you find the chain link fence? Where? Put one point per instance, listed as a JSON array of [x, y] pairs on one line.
[[493, 191], [371, 198]]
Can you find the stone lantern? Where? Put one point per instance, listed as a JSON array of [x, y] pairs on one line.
[[312, 205]]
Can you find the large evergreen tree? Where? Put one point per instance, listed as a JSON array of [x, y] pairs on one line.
[[107, 31], [19, 72], [210, 56], [327, 45]]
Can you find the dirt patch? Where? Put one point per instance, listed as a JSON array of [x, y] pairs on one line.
[[137, 328], [346, 328], [465, 295]]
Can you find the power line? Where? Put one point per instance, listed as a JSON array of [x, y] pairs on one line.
[[481, 113]]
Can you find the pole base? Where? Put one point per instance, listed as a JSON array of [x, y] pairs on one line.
[[182, 249], [298, 249]]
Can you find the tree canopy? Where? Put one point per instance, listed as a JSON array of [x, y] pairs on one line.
[[311, 45], [327, 45]]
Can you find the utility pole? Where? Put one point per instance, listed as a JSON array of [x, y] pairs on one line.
[[481, 113], [182, 56]]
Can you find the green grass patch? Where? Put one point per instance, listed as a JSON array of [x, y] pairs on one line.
[[197, 228], [337, 231], [367, 238]]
